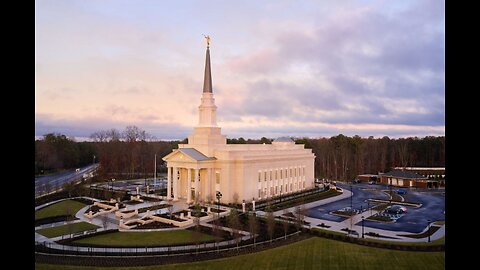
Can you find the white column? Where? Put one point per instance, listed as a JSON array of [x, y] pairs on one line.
[[175, 184], [189, 186], [196, 185], [169, 183], [208, 185]]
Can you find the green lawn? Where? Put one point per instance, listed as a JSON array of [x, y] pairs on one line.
[[68, 207], [143, 239], [313, 253], [66, 229]]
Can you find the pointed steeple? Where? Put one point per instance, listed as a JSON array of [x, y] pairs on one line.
[[207, 81]]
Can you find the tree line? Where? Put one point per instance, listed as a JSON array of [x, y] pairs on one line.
[[130, 153], [342, 158]]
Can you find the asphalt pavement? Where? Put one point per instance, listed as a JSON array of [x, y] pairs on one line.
[[58, 180], [414, 221]]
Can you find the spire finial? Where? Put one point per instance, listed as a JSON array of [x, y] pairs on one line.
[[207, 39]]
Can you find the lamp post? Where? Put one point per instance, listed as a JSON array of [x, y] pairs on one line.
[[362, 226], [219, 196], [368, 206], [428, 220], [113, 179], [390, 187], [351, 198], [155, 173]]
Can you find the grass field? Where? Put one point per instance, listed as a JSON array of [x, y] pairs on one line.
[[66, 229], [143, 239], [313, 253], [68, 207]]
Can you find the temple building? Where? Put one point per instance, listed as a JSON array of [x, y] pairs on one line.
[[207, 164]]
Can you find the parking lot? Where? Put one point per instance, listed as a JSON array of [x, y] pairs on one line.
[[415, 220]]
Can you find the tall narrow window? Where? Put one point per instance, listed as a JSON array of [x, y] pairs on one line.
[[259, 176], [217, 178]]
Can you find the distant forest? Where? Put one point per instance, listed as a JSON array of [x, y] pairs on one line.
[[130, 154]]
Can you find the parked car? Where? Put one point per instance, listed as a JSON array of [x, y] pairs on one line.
[[371, 182], [356, 181], [401, 191], [396, 209]]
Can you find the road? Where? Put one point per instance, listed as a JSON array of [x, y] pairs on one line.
[[60, 179]]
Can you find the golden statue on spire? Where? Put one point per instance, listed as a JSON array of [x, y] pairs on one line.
[[207, 39]]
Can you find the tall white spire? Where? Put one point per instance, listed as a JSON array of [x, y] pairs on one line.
[[207, 110]]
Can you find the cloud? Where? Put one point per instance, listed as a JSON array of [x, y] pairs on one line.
[[84, 127], [337, 64]]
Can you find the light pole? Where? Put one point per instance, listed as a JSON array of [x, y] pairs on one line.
[[390, 187], [113, 179], [351, 198], [428, 230], [219, 196], [155, 173], [362, 226]]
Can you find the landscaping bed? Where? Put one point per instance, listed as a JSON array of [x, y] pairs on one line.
[[216, 210], [305, 199], [132, 202], [151, 208], [155, 225], [197, 214], [424, 234], [380, 218], [167, 216], [95, 209], [379, 235], [344, 213]]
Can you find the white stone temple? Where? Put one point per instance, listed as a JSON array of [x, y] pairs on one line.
[[207, 164]]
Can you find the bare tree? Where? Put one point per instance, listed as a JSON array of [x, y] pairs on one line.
[[235, 198], [285, 222], [104, 221], [217, 232], [47, 187], [253, 227], [170, 210], [196, 235], [209, 198], [234, 224], [299, 216], [69, 217], [270, 224]]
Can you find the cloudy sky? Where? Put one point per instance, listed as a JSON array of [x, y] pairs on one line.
[[279, 68]]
